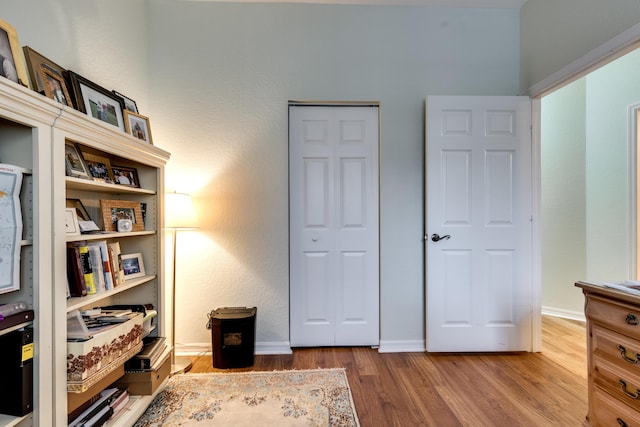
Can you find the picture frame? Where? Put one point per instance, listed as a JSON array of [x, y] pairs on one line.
[[36, 62], [127, 103], [113, 210], [133, 266], [137, 126], [124, 175], [99, 167], [55, 87], [74, 162], [86, 224], [12, 63], [81, 211], [95, 101], [71, 226]]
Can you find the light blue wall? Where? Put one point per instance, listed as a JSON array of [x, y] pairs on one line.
[[585, 182], [563, 190], [554, 33], [223, 82]]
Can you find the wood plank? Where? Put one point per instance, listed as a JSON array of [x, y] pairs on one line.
[[455, 389]]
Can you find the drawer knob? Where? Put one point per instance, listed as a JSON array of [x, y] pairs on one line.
[[631, 319], [621, 423], [635, 395], [623, 354]]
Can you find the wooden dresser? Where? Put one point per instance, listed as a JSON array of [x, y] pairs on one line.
[[613, 355]]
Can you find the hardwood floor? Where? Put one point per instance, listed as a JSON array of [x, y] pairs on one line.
[[421, 389]]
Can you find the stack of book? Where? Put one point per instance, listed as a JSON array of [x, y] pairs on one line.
[[13, 314], [100, 408], [152, 349], [93, 267]]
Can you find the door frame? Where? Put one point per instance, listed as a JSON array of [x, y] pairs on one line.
[[317, 103]]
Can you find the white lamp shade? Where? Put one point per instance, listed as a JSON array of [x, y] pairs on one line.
[[179, 211]]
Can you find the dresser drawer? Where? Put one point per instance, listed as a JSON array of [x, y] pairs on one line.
[[621, 317], [621, 383], [615, 346], [609, 412]]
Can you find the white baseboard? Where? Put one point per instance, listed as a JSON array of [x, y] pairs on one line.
[[267, 347], [565, 314], [408, 346]]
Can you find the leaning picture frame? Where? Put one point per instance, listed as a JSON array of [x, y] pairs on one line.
[[126, 102], [71, 226], [138, 126], [113, 210], [99, 167], [35, 62], [125, 175], [55, 87], [74, 163], [95, 101], [12, 63], [133, 265]]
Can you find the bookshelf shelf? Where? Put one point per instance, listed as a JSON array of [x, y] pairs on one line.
[[77, 303], [107, 236], [86, 185]]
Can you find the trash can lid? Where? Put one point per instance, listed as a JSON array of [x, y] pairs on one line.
[[233, 312]]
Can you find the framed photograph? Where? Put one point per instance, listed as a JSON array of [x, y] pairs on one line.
[[36, 62], [125, 176], [95, 101], [99, 167], [54, 87], [12, 65], [71, 226], [137, 126], [132, 265], [81, 211], [127, 103], [113, 210], [74, 163]]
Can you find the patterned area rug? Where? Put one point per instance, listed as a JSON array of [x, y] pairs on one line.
[[319, 397]]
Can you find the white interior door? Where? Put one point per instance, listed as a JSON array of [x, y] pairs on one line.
[[333, 203], [479, 201]]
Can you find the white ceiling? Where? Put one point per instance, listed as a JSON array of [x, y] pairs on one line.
[[501, 4]]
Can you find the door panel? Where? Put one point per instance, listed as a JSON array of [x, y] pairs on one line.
[[479, 191], [334, 279]]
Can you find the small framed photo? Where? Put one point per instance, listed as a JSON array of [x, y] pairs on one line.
[[125, 176], [95, 100], [36, 62], [127, 103], [12, 64], [54, 86], [132, 265], [113, 210], [71, 226], [99, 167], [138, 126], [74, 163]]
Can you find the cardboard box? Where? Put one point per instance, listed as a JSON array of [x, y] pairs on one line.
[[74, 400], [91, 360], [144, 383]]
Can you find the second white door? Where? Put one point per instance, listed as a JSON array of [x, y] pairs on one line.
[[479, 224], [334, 237]]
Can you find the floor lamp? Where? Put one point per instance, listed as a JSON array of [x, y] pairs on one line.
[[180, 215]]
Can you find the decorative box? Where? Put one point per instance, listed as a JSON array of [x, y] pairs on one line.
[[91, 360]]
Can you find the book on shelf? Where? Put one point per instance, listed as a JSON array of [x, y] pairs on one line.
[[16, 319], [75, 277], [152, 349], [96, 267], [87, 271], [117, 262], [106, 263], [96, 411], [119, 401]]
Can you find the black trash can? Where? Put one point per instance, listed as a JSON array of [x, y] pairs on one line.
[[233, 336]]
